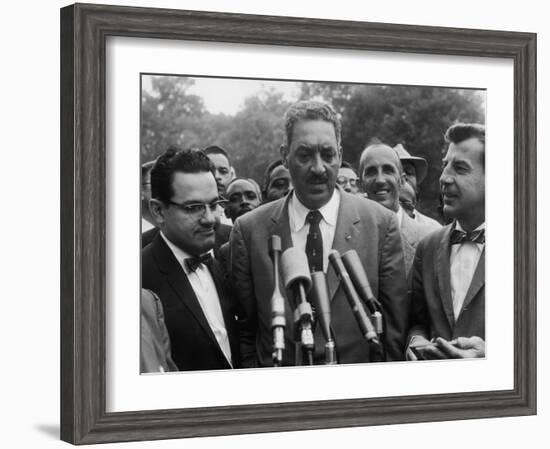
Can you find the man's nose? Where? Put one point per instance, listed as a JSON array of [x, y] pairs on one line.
[[318, 167], [380, 179], [446, 177], [209, 215]]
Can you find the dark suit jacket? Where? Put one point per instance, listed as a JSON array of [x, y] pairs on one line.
[[194, 346], [432, 304], [362, 225], [222, 232]]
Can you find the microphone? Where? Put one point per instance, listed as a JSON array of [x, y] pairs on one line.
[[361, 282], [321, 301], [278, 320], [296, 278], [365, 325]]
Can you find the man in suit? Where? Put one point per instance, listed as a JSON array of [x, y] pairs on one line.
[[315, 217], [448, 290], [177, 266], [415, 169], [382, 179]]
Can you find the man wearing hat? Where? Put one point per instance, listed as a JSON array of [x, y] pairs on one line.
[[415, 169]]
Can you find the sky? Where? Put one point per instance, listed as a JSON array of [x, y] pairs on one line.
[[226, 95]]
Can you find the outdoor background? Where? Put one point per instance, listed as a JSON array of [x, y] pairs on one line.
[[245, 117], [30, 181]]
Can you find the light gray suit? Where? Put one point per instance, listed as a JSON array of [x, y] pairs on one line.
[[362, 225], [411, 233]]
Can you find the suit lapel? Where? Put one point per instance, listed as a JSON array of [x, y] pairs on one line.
[[478, 281], [345, 237], [180, 284], [443, 271], [280, 225]]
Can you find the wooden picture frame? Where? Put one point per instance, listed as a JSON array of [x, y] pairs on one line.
[[84, 29]]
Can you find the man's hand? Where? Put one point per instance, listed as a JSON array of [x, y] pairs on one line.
[[422, 349], [462, 347]]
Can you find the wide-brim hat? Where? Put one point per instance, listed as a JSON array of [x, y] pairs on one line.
[[420, 164]]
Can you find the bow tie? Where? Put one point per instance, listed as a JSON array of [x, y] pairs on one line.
[[192, 263], [458, 237]]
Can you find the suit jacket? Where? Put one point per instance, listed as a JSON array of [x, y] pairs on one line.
[[221, 233], [155, 352], [428, 222], [432, 305], [362, 225], [194, 346], [411, 234]]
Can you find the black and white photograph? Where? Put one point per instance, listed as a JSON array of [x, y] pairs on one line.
[[291, 223]]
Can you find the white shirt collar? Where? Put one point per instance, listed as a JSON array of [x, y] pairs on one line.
[[179, 253], [298, 211]]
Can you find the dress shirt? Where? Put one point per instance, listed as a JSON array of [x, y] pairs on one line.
[[145, 225], [463, 262], [399, 214], [204, 287], [299, 228]]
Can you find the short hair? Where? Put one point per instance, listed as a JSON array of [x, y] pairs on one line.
[[215, 149], [267, 174], [251, 181], [460, 132], [346, 164], [310, 110], [378, 143], [172, 161]]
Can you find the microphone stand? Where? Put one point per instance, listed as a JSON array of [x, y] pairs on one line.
[[278, 320], [319, 295]]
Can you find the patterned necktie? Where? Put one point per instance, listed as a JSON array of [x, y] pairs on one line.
[[193, 263], [314, 242], [458, 237]]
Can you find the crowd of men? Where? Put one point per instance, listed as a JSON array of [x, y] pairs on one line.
[[208, 277]]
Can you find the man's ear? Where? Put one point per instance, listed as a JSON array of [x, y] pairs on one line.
[[233, 173], [157, 211], [283, 150]]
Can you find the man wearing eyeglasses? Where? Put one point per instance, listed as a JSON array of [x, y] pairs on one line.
[[178, 264], [315, 217], [347, 178]]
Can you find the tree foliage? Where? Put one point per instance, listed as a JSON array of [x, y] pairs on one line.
[[414, 116]]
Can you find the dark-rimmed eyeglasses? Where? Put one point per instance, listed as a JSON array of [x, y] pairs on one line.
[[199, 208]]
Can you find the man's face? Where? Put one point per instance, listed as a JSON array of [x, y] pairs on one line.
[[348, 180], [407, 198], [410, 174], [222, 171], [191, 231], [463, 183], [313, 159], [279, 183], [381, 177], [242, 197]]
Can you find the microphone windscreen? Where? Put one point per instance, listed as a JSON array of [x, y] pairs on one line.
[[320, 299], [295, 268], [357, 272], [274, 244]]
